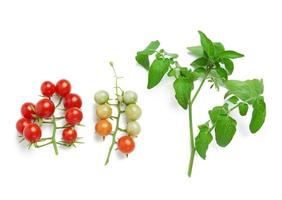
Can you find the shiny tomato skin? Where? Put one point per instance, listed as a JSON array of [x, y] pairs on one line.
[[103, 128], [28, 110], [63, 87], [21, 124], [72, 100], [69, 135], [44, 108], [32, 133], [126, 144], [73, 116], [47, 88]]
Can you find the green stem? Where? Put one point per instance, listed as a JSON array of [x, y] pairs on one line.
[[42, 145], [121, 129], [234, 107], [119, 111], [192, 144], [191, 140], [114, 135], [199, 88], [59, 103], [54, 135]]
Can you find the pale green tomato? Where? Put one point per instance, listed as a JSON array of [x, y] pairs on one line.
[[103, 111], [133, 112], [129, 97], [101, 97], [133, 128]]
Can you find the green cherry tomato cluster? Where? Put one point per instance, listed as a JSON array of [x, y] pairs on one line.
[[34, 116], [125, 103]]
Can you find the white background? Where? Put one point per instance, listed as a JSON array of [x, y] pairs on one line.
[[49, 40]]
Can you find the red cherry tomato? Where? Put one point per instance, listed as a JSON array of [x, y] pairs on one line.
[[126, 144], [21, 124], [32, 132], [73, 116], [28, 110], [69, 135], [63, 87], [44, 108], [47, 88], [72, 100]]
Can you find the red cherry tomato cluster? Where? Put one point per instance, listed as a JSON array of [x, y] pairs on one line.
[[34, 116]]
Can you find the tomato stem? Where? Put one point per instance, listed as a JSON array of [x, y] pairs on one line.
[[114, 135], [54, 135], [191, 140], [190, 113], [119, 112], [59, 103]]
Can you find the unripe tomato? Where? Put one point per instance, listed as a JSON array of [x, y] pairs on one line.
[[28, 110], [101, 97], [133, 112], [126, 144], [103, 128], [63, 87], [47, 88], [103, 111], [73, 116], [44, 108], [72, 100], [69, 135], [133, 128], [21, 124], [129, 97], [32, 133]]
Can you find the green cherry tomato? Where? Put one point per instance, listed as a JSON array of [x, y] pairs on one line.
[[133, 128], [103, 111], [133, 112], [129, 97], [101, 97]]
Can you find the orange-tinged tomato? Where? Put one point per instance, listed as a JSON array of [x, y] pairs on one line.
[[103, 127]]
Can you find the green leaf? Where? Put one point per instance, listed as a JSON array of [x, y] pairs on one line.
[[203, 139], [228, 64], [243, 108], [199, 52], [246, 90], [227, 94], [200, 62], [152, 47], [218, 47], [207, 45], [199, 72], [183, 87], [230, 54], [142, 57], [196, 51], [217, 113], [187, 73], [225, 129], [171, 72], [233, 99], [221, 72], [258, 115], [156, 72]]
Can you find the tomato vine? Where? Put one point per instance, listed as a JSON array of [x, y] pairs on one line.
[[213, 64]]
